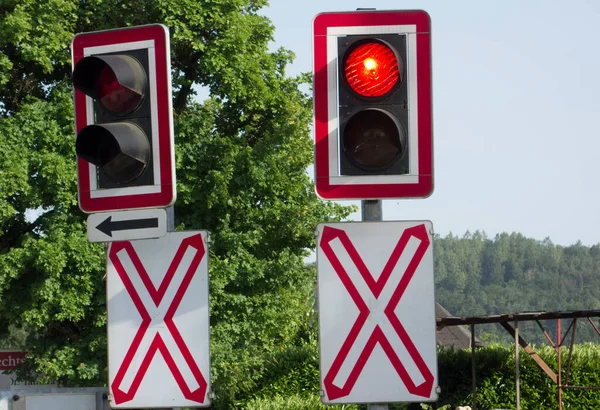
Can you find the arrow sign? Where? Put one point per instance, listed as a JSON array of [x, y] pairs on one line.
[[108, 226], [127, 225]]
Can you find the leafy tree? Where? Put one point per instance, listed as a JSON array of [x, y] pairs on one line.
[[241, 163]]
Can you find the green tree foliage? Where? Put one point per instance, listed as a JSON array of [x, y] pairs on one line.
[[241, 164], [476, 275]]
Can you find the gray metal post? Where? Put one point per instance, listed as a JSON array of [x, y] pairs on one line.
[[473, 368], [372, 211], [517, 376], [170, 218], [377, 407]]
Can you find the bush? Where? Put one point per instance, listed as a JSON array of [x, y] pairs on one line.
[[294, 402], [291, 380], [495, 366]]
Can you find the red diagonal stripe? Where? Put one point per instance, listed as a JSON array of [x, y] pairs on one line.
[[424, 389], [197, 395], [116, 247], [329, 234]]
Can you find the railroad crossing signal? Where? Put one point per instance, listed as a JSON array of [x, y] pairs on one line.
[[372, 102], [123, 117]]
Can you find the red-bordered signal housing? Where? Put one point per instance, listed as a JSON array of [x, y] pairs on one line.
[[327, 27], [155, 38]]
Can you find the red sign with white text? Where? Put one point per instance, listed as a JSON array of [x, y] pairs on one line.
[[11, 359]]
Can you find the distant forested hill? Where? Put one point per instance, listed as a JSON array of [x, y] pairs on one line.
[[477, 275]]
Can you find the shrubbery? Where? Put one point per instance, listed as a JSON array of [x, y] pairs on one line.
[[496, 389], [293, 381]]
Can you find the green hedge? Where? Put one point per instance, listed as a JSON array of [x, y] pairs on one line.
[[293, 402], [496, 389], [293, 380]]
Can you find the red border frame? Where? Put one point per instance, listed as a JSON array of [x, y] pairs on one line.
[[424, 187], [160, 34]]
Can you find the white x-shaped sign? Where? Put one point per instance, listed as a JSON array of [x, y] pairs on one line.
[[377, 323], [158, 331]]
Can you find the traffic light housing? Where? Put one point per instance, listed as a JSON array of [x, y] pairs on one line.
[[373, 112], [118, 142], [372, 105], [124, 129]]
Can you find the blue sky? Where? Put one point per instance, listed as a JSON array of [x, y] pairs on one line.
[[516, 99]]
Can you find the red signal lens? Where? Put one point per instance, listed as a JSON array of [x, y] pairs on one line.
[[115, 96], [371, 69]]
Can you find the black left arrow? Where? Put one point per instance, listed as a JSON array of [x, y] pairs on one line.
[[108, 226]]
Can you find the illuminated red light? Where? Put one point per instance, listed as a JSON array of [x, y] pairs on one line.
[[371, 69], [115, 96]]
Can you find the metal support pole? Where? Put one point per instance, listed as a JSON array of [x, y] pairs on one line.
[[171, 219], [574, 323], [559, 375], [517, 379], [594, 325], [546, 334], [377, 407], [371, 211], [473, 370]]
